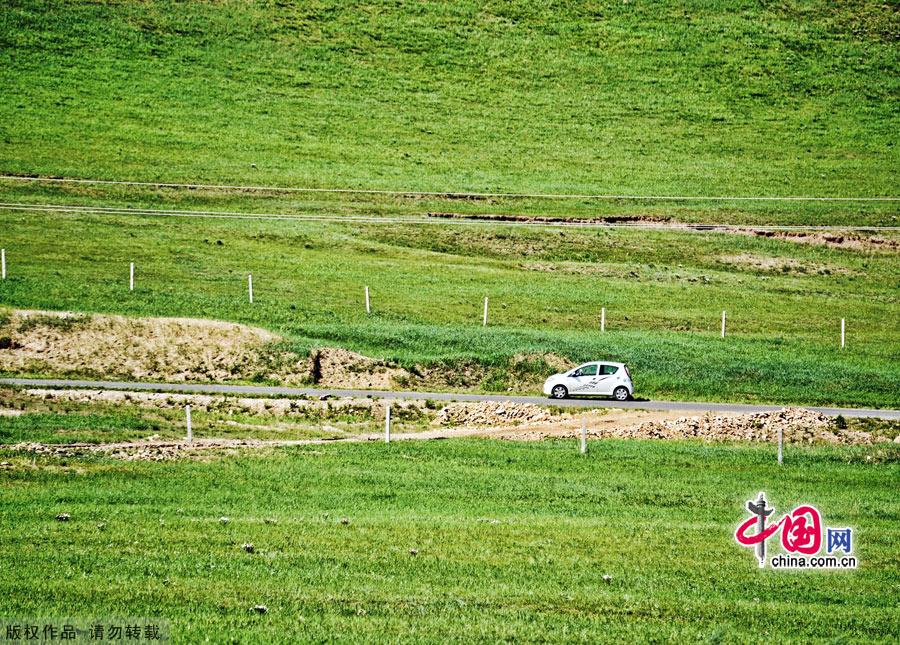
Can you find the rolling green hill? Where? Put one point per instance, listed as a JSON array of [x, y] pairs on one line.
[[706, 98]]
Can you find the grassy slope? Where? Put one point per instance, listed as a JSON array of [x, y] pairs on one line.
[[720, 97], [663, 291], [642, 512]]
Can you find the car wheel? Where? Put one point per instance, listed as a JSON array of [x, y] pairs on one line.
[[559, 392], [621, 393]]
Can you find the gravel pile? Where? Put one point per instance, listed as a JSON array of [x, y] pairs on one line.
[[492, 414], [797, 425]]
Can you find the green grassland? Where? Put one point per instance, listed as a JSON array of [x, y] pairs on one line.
[[664, 292], [512, 542], [464, 540], [711, 98]]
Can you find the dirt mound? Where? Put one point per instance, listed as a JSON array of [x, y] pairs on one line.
[[174, 349], [485, 414], [836, 239], [796, 424], [552, 361], [331, 367], [459, 374], [185, 350]]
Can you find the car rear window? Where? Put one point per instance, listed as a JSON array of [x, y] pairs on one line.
[[610, 369]]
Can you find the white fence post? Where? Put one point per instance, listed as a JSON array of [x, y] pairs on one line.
[[250, 286], [583, 436], [484, 320], [131, 277], [723, 323], [603, 319], [368, 306], [843, 330], [387, 423], [3, 263], [190, 432]]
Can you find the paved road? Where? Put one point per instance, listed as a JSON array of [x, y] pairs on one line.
[[265, 390]]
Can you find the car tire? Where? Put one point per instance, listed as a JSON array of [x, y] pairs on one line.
[[621, 393], [559, 392]]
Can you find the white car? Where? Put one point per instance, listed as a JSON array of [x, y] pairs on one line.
[[600, 378]]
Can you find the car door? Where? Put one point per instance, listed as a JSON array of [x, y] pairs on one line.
[[581, 381], [606, 379]]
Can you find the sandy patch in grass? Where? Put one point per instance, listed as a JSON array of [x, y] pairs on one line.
[[780, 265]]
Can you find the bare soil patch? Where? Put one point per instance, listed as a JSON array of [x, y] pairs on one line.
[[781, 265], [174, 349], [333, 367], [835, 239], [549, 219]]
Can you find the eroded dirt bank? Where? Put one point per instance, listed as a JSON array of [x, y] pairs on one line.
[[185, 350], [174, 349]]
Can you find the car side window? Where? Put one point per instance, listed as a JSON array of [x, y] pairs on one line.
[[587, 370], [609, 369]]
